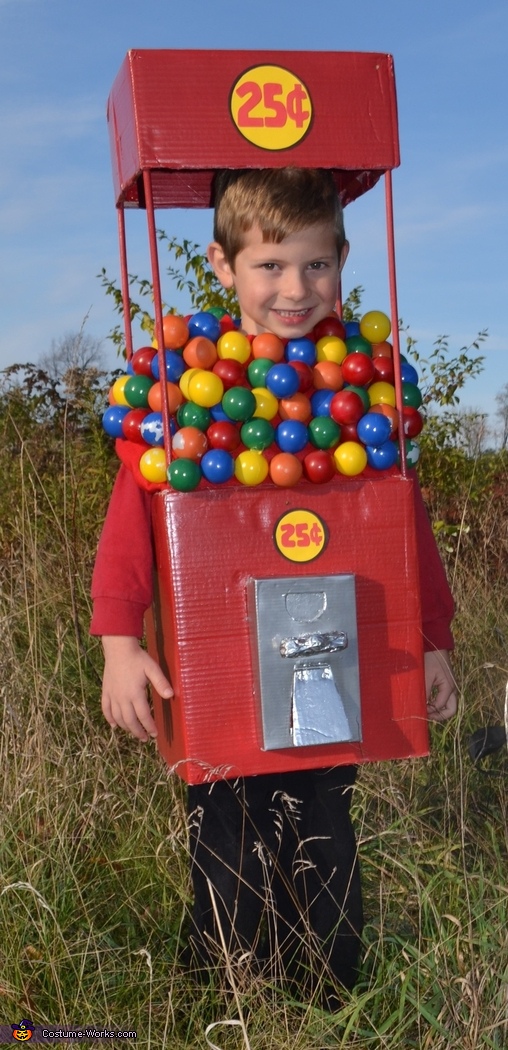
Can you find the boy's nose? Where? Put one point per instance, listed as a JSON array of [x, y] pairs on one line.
[[295, 285]]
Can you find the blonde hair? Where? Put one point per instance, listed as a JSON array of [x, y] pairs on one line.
[[281, 201]]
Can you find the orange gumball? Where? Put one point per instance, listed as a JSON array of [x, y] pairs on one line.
[[296, 407], [285, 470], [268, 345], [327, 375], [189, 443], [174, 395], [175, 332], [382, 349], [200, 352]]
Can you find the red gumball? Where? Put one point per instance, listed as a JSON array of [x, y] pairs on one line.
[[348, 432], [413, 421], [358, 369], [319, 467], [382, 349], [304, 374], [223, 435], [131, 425], [331, 325], [346, 407], [383, 369], [141, 361], [231, 372]]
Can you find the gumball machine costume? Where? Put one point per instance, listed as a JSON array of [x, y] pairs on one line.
[[287, 610]]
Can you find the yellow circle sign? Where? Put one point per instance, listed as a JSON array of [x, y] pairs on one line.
[[300, 535], [271, 107]]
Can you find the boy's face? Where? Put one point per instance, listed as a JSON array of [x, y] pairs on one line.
[[283, 288]]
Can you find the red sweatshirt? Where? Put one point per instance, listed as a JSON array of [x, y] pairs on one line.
[[122, 579]]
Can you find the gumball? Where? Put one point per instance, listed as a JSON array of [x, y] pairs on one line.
[[319, 466], [174, 365], [191, 415], [251, 468], [234, 344], [375, 326], [356, 344], [174, 396], [327, 376], [189, 443], [352, 328], [257, 370], [301, 350], [267, 405], [151, 429], [217, 466], [350, 458], [324, 432], [390, 413], [152, 465], [408, 373], [384, 371], [383, 456], [112, 420], [230, 371], [331, 348], [131, 425], [223, 435], [117, 391], [204, 324], [282, 380], [239, 403], [185, 380], [200, 352], [218, 311], [285, 470], [229, 324], [382, 349], [362, 394], [348, 432], [141, 361], [268, 345], [136, 391], [374, 429], [346, 406], [305, 377], [205, 388], [412, 452], [175, 331], [331, 325], [291, 435], [257, 433], [411, 395], [382, 394], [358, 369], [412, 421], [320, 402], [184, 475], [296, 407], [218, 414]]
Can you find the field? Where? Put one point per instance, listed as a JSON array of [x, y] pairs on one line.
[[93, 867]]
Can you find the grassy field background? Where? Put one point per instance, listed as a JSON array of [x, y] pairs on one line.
[[93, 866]]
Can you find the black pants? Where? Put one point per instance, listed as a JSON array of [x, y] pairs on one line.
[[274, 863]]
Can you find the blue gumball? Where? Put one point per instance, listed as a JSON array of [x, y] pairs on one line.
[[408, 373], [206, 324], [301, 350], [382, 457], [175, 366], [352, 328], [374, 429], [217, 466], [291, 435], [112, 420], [152, 430], [320, 402], [282, 380], [218, 414]]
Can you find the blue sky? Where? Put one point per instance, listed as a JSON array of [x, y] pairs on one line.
[[57, 215]]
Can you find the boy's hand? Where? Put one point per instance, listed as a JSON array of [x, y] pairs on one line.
[[440, 686], [128, 669]]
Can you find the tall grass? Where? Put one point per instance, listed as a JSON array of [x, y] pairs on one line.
[[94, 885]]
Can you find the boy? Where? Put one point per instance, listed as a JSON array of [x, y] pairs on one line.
[[273, 858]]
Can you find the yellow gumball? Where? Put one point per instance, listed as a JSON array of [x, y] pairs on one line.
[[382, 394], [251, 467], [234, 345], [205, 388], [267, 404], [331, 348], [185, 379], [117, 391], [375, 326], [350, 458], [153, 465]]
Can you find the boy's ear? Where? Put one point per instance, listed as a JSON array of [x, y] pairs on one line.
[[220, 266], [343, 255]]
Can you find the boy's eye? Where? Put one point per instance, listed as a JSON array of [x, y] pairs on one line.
[[318, 265], [269, 266]]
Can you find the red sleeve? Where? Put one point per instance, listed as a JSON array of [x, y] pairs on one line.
[[436, 598], [122, 577]]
